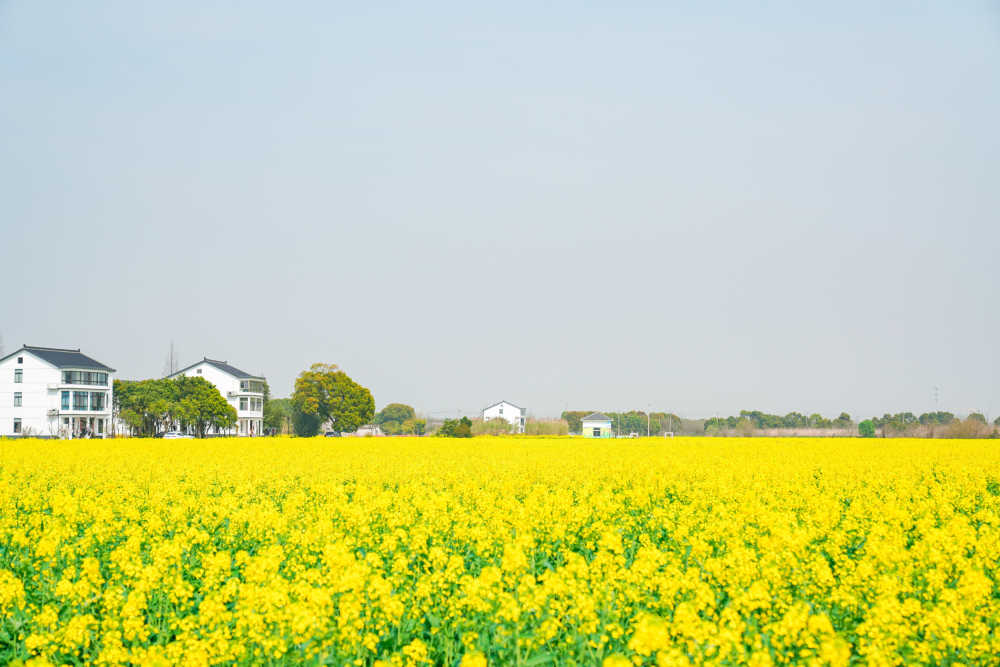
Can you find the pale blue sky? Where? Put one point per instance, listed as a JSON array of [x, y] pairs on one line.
[[706, 207]]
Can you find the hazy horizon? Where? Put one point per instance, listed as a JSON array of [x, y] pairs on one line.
[[609, 208]]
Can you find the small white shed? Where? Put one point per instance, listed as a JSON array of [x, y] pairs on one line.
[[596, 425]]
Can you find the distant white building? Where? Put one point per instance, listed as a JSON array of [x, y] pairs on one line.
[[242, 390], [596, 425], [369, 430], [51, 391], [507, 411]]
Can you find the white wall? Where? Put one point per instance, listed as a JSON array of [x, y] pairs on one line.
[[227, 384], [41, 389], [36, 399], [507, 411]]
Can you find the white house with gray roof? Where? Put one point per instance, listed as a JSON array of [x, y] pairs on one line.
[[244, 391], [507, 411], [54, 392], [596, 425]]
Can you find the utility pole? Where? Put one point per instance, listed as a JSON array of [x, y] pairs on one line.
[[171, 366], [649, 409]]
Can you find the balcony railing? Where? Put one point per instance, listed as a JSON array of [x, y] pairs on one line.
[[88, 378]]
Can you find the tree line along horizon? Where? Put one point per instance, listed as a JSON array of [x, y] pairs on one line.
[[324, 396]]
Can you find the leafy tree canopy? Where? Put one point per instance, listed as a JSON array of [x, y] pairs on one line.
[[413, 427], [305, 426], [278, 414], [392, 417], [456, 428], [325, 392], [762, 420], [148, 407], [201, 406]]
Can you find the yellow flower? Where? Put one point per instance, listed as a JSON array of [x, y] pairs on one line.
[[474, 659], [704, 551], [616, 660]]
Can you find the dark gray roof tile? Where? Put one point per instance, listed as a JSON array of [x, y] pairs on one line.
[[223, 366], [64, 358]]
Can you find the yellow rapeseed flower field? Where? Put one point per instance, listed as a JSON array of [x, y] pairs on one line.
[[496, 551]]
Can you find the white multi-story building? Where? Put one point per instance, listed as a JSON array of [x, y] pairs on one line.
[[507, 411], [50, 391], [243, 391]]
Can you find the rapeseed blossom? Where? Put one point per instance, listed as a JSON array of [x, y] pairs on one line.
[[498, 551]]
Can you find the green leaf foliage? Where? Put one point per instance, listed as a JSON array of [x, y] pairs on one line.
[[328, 394], [456, 428], [278, 414], [148, 407], [392, 417]]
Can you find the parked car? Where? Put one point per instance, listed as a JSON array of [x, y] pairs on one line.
[[332, 434], [176, 435]]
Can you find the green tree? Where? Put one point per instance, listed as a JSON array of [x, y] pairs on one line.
[[817, 420], [663, 422], [328, 393], [278, 414], [414, 427], [392, 417], [200, 406], [146, 406], [934, 418], [978, 417], [456, 428], [867, 429], [305, 426], [574, 418]]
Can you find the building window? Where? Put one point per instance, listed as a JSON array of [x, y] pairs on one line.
[[100, 426], [65, 421], [17, 399], [85, 377], [243, 403], [80, 400], [597, 432], [17, 426], [18, 375], [20, 360], [65, 400], [199, 371], [96, 400]]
